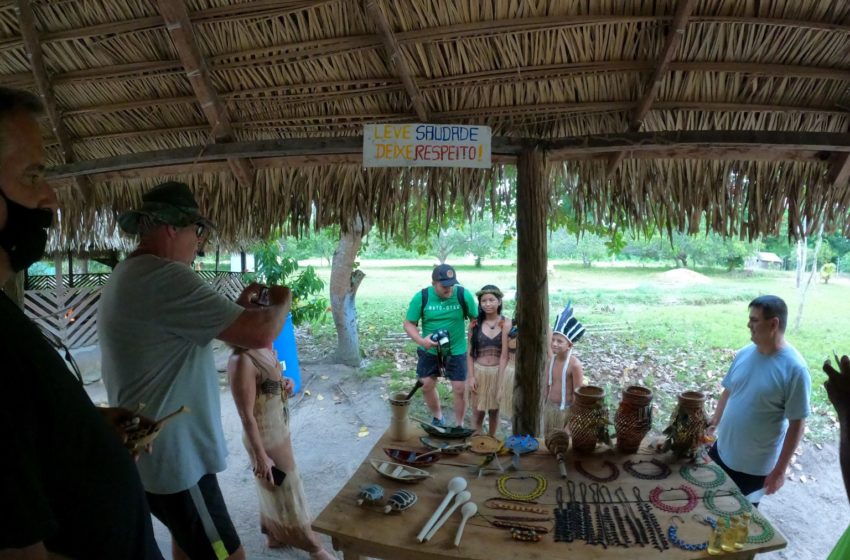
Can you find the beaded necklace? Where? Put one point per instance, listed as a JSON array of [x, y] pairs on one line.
[[663, 470], [655, 498], [615, 472], [708, 500], [687, 472], [673, 537], [767, 531], [539, 489]]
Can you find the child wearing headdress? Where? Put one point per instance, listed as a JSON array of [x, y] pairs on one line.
[[488, 357], [565, 372]]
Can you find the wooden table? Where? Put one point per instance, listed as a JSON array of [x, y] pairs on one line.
[[367, 531]]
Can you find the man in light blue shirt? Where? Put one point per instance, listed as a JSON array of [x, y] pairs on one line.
[[760, 417]]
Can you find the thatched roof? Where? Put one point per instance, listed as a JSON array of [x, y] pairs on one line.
[[125, 77]]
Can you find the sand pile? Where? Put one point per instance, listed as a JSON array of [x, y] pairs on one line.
[[682, 277]]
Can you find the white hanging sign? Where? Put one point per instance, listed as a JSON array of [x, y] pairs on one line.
[[426, 145]]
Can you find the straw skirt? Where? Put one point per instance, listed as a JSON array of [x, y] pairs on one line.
[[553, 417], [487, 380]]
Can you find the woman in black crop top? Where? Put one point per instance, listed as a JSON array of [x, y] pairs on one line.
[[488, 357]]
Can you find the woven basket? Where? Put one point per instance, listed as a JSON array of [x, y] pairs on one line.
[[633, 419], [687, 425], [588, 418]]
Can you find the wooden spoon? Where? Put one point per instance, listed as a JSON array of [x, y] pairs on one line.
[[461, 499]]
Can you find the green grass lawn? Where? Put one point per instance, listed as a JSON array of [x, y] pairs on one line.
[[703, 321]]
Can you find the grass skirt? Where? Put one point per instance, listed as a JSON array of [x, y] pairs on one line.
[[553, 417], [487, 379]]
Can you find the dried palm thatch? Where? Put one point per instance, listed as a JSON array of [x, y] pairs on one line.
[[123, 82]]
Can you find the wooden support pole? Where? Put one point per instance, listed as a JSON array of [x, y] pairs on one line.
[[532, 310], [839, 169]]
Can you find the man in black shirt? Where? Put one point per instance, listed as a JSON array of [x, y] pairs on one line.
[[68, 486]]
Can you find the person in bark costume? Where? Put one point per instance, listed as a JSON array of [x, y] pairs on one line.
[[488, 358]]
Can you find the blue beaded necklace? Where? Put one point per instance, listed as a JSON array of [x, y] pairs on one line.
[[673, 537]]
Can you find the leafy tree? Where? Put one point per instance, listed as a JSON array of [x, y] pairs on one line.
[[591, 247], [273, 267], [446, 242], [480, 240]]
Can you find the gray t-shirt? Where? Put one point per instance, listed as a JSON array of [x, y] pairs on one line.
[[156, 322], [765, 392]]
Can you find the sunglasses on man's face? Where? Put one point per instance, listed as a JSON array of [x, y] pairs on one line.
[[200, 229]]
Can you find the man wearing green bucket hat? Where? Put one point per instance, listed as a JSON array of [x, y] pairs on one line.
[[156, 323]]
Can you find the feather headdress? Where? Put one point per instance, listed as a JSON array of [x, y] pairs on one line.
[[567, 325]]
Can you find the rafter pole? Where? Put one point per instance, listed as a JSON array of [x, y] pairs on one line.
[[395, 58], [45, 90], [179, 26], [671, 43]]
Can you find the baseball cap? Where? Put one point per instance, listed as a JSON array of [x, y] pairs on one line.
[[445, 275]]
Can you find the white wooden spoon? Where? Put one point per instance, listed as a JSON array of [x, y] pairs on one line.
[[468, 510], [461, 499], [457, 484]]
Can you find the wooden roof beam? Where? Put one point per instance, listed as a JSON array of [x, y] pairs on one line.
[[45, 89], [671, 43], [488, 28], [296, 93], [533, 110], [179, 26], [396, 63], [734, 142]]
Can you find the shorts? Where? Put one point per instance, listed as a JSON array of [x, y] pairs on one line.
[[748, 483], [198, 520], [428, 365]]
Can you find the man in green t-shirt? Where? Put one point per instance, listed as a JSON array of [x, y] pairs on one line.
[[443, 306]]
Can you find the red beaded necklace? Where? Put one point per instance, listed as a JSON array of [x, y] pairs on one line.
[[655, 498]]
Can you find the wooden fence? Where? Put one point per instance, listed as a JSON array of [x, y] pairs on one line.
[[69, 314]]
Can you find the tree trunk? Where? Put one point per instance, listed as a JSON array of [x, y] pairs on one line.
[[532, 311], [802, 249], [343, 289], [804, 290]]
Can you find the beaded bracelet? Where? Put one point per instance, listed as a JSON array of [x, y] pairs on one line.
[[615, 472], [663, 470], [687, 472], [655, 498], [708, 500], [539, 489]]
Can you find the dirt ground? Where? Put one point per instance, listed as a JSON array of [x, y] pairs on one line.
[[329, 446]]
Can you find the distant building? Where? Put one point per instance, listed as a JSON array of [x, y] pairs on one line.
[[768, 261]]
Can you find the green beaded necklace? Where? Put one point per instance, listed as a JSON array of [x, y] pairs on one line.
[[744, 504], [767, 532], [539, 489], [687, 472]]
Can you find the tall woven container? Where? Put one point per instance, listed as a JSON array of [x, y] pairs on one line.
[[687, 426], [633, 419], [588, 420]]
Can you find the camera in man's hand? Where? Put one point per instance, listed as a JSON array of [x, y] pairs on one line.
[[441, 338]]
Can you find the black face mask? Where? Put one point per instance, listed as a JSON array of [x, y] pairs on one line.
[[25, 234]]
